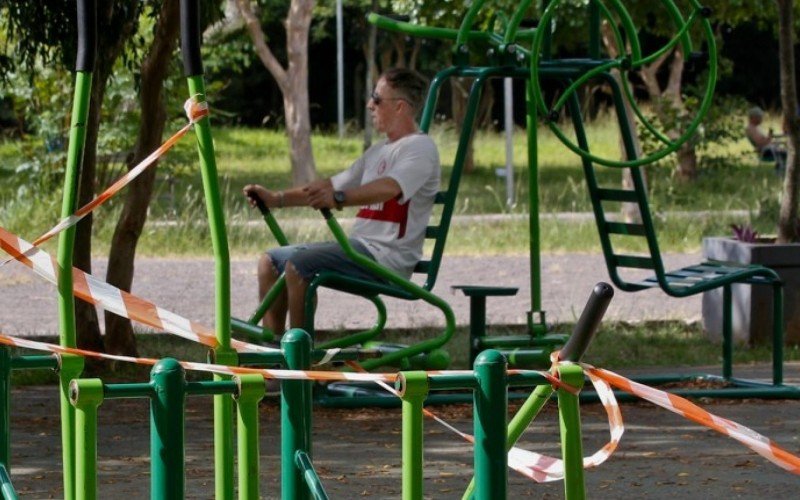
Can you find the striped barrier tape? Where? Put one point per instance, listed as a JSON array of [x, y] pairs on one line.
[[323, 376], [542, 468], [683, 407], [97, 292], [195, 111], [530, 464]]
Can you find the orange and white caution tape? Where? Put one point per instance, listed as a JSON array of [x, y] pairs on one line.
[[535, 466], [676, 404], [95, 291], [327, 376], [195, 111]]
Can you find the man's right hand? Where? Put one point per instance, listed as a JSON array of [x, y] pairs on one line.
[[256, 191]]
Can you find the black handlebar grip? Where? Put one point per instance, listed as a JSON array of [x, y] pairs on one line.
[[262, 207], [190, 38], [588, 323], [326, 212], [87, 35]]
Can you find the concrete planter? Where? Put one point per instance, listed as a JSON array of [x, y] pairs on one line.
[[752, 305]]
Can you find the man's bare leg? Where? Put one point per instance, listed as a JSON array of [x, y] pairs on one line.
[[275, 318], [296, 288]]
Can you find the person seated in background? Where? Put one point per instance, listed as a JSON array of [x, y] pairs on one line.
[[766, 146]]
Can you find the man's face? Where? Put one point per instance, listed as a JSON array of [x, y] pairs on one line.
[[384, 106]]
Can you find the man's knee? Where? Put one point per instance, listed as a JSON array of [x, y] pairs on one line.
[[266, 268], [293, 275]]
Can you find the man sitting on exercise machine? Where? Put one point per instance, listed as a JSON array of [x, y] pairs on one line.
[[394, 182]]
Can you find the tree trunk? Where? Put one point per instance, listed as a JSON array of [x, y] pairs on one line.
[[668, 102], [119, 337], [110, 44], [787, 219], [293, 81]]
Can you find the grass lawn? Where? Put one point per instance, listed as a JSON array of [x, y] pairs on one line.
[[177, 221]]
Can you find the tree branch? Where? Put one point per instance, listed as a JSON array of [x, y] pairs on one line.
[[262, 49]]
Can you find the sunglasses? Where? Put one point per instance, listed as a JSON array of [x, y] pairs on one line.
[[378, 99]]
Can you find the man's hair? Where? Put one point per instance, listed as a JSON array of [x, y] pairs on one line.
[[755, 112], [409, 84]]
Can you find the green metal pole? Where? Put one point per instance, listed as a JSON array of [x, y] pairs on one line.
[[6, 488], [304, 465], [167, 413], [250, 390], [66, 243], [594, 30], [5, 406], [521, 420], [70, 367], [86, 395], [216, 217], [223, 406], [569, 419], [295, 414], [777, 332], [727, 333], [413, 389], [533, 204], [491, 410]]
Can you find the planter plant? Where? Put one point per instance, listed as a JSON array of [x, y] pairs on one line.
[[752, 306]]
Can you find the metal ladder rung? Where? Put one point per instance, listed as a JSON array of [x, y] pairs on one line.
[[617, 195], [625, 228], [633, 261]]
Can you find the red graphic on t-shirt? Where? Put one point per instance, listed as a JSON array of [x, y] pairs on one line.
[[382, 166], [392, 211]]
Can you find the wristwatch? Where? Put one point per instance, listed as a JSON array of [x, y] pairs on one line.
[[338, 199]]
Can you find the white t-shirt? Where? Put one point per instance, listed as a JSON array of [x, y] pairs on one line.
[[394, 231]]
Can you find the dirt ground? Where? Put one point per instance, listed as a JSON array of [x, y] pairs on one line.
[[357, 451]]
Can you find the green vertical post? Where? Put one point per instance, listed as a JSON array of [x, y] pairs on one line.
[[569, 419], [167, 413], [777, 333], [250, 390], [533, 204], [66, 243], [216, 217], [223, 407], [86, 395], [295, 414], [594, 30], [5, 406], [70, 367], [491, 410], [413, 389], [727, 333]]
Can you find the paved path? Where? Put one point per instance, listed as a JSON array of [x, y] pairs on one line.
[[28, 304]]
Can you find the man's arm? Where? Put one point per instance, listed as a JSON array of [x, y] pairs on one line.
[[377, 191], [293, 197]]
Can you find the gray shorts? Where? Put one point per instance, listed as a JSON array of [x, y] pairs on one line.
[[311, 258]]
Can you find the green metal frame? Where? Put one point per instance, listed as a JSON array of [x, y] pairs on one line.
[[84, 66], [682, 282]]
